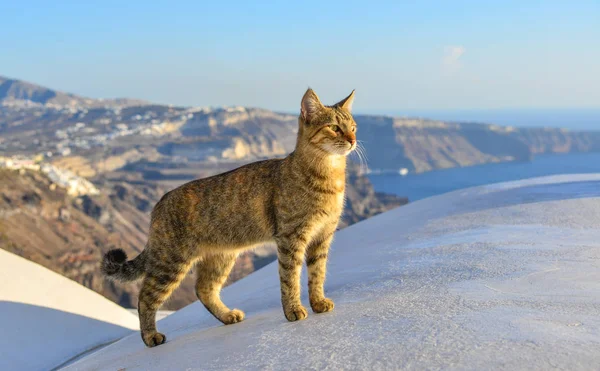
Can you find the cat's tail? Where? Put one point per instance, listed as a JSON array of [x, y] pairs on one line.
[[116, 266]]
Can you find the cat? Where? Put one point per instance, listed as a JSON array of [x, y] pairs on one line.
[[295, 202]]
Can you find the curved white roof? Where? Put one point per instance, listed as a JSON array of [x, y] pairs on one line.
[[496, 277], [47, 319]]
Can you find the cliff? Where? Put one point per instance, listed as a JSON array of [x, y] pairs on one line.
[[106, 135], [547, 140]]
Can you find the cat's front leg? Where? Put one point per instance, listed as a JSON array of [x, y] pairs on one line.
[[316, 263], [290, 253]]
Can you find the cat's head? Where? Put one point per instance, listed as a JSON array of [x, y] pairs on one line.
[[331, 129]]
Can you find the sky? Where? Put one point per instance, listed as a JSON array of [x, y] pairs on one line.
[[398, 55]]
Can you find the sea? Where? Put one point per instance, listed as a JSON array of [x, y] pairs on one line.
[[419, 186]]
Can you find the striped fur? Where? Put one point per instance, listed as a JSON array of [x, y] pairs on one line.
[[296, 202]]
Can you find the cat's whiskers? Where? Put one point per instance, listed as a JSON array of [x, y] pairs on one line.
[[360, 153]]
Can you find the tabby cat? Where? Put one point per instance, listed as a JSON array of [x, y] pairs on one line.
[[295, 202]]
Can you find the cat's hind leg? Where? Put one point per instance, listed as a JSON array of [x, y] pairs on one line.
[[213, 271], [160, 281]]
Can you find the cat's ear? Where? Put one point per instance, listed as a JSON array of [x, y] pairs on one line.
[[310, 105], [346, 103]]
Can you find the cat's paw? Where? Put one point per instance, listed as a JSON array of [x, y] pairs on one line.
[[295, 313], [322, 306], [153, 339], [233, 316]]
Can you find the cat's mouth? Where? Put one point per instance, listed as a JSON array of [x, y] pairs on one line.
[[341, 149]]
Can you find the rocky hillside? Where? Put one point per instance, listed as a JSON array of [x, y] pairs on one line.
[[66, 234]]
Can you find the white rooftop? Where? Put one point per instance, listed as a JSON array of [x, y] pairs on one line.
[[496, 277], [47, 319], [505, 277]]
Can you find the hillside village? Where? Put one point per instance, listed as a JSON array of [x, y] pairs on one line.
[[84, 137], [75, 185]]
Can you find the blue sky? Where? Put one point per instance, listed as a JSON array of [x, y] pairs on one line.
[[398, 55]]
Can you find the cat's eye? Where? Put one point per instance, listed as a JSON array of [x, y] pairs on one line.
[[334, 128], [353, 129]]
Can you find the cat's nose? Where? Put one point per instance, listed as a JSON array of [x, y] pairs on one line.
[[352, 141]]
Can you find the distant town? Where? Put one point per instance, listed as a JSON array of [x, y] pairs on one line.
[[74, 184]]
